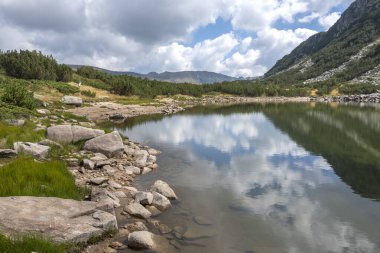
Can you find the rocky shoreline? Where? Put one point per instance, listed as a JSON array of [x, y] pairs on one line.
[[105, 111], [367, 98], [107, 164]]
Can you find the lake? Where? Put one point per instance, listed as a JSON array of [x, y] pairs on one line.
[[268, 178]]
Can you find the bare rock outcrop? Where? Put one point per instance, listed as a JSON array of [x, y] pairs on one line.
[[61, 220]]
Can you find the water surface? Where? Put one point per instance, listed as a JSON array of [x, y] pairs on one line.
[[269, 178]]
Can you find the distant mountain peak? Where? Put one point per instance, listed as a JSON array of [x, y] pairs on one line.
[[347, 51]]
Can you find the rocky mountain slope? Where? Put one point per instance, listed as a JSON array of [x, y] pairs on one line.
[[196, 77], [348, 52]]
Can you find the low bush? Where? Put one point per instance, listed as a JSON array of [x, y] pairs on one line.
[[88, 93], [26, 177], [18, 95]]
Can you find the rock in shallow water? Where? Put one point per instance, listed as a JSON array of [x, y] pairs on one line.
[[164, 189], [137, 210], [140, 240], [62, 220]]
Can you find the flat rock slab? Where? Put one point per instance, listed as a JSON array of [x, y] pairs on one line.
[[61, 220]]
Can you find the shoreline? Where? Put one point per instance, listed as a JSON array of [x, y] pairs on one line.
[[112, 111]]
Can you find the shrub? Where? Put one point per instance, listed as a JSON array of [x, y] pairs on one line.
[[17, 94], [88, 93]]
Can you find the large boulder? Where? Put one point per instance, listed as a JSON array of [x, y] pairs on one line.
[[141, 240], [164, 189], [71, 100], [66, 134], [137, 210], [61, 220], [34, 149], [62, 134], [83, 133], [141, 157], [110, 144]]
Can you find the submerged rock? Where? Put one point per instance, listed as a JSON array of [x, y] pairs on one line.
[[137, 226], [164, 189], [34, 149], [110, 144], [61, 220]]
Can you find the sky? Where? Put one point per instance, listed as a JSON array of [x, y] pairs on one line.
[[242, 38]]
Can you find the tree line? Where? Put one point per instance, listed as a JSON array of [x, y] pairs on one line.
[[27, 64]]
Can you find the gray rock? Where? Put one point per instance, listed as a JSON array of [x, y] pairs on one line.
[[110, 144], [137, 226], [144, 198], [146, 170], [66, 134], [120, 194], [16, 122], [83, 133], [160, 201], [141, 157], [50, 143], [88, 164], [43, 111], [114, 185], [132, 170], [7, 153], [61, 134], [129, 151], [164, 229], [103, 163], [61, 220], [104, 196], [71, 100], [153, 210], [141, 240], [98, 180], [34, 149], [137, 210], [164, 189], [153, 151], [99, 157]]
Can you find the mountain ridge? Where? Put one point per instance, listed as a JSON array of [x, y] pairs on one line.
[[333, 53], [196, 77]]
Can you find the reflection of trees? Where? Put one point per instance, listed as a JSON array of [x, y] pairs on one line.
[[346, 136]]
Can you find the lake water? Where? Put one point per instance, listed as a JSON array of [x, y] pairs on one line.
[[269, 178]]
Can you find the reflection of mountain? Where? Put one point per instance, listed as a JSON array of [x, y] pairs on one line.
[[347, 137]]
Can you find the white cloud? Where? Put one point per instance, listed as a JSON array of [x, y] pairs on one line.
[[329, 20], [143, 35]]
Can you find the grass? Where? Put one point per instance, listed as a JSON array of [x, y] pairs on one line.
[[29, 244], [26, 177], [13, 134]]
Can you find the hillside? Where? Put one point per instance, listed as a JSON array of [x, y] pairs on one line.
[[348, 52], [196, 77]]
